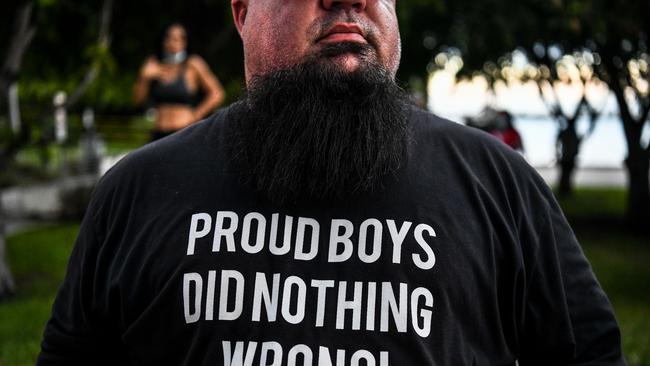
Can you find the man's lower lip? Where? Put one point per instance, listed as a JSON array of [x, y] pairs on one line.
[[344, 37]]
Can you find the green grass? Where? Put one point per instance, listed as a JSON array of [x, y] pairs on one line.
[[620, 261], [38, 259], [595, 203]]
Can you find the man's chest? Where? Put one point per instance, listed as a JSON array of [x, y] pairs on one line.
[[324, 280]]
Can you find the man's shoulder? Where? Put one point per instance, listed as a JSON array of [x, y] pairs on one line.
[[431, 130], [197, 143], [424, 119], [438, 143]]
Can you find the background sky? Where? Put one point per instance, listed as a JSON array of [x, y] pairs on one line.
[[604, 148]]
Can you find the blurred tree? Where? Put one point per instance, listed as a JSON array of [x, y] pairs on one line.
[[21, 36], [7, 285], [621, 41], [613, 33], [577, 72], [485, 34], [13, 140], [616, 36], [19, 39], [99, 54]]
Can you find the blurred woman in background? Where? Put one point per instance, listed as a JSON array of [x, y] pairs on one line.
[[171, 81]]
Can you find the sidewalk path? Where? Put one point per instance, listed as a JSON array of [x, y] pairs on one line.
[[25, 206]]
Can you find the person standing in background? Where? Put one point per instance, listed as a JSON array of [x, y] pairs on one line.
[[171, 81]]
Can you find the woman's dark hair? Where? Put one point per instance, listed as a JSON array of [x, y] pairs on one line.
[[160, 39]]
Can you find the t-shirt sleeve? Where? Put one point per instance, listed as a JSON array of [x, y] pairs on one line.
[[567, 318], [76, 333]]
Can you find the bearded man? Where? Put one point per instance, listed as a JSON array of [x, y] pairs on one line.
[[322, 220]]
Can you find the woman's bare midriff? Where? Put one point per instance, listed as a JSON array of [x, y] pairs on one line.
[[173, 117]]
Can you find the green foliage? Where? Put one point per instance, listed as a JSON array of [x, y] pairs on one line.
[[110, 91], [65, 46], [41, 91], [46, 3], [100, 56], [16, 173], [37, 163], [483, 31]]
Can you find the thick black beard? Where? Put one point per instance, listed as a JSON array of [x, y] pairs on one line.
[[313, 132]]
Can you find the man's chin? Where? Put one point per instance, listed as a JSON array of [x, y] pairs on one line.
[[348, 56], [330, 127], [348, 62]]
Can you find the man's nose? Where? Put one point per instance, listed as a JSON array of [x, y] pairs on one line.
[[357, 5]]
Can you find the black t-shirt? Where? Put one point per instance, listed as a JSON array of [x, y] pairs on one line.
[[463, 259]]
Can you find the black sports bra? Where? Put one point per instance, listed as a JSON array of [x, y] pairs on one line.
[[171, 92]]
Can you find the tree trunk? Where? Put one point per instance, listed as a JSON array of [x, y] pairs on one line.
[[21, 38], [103, 41], [7, 286], [569, 148], [23, 33], [638, 156], [568, 141], [14, 108], [638, 200]]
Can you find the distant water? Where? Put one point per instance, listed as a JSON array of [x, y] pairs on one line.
[[604, 148]]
